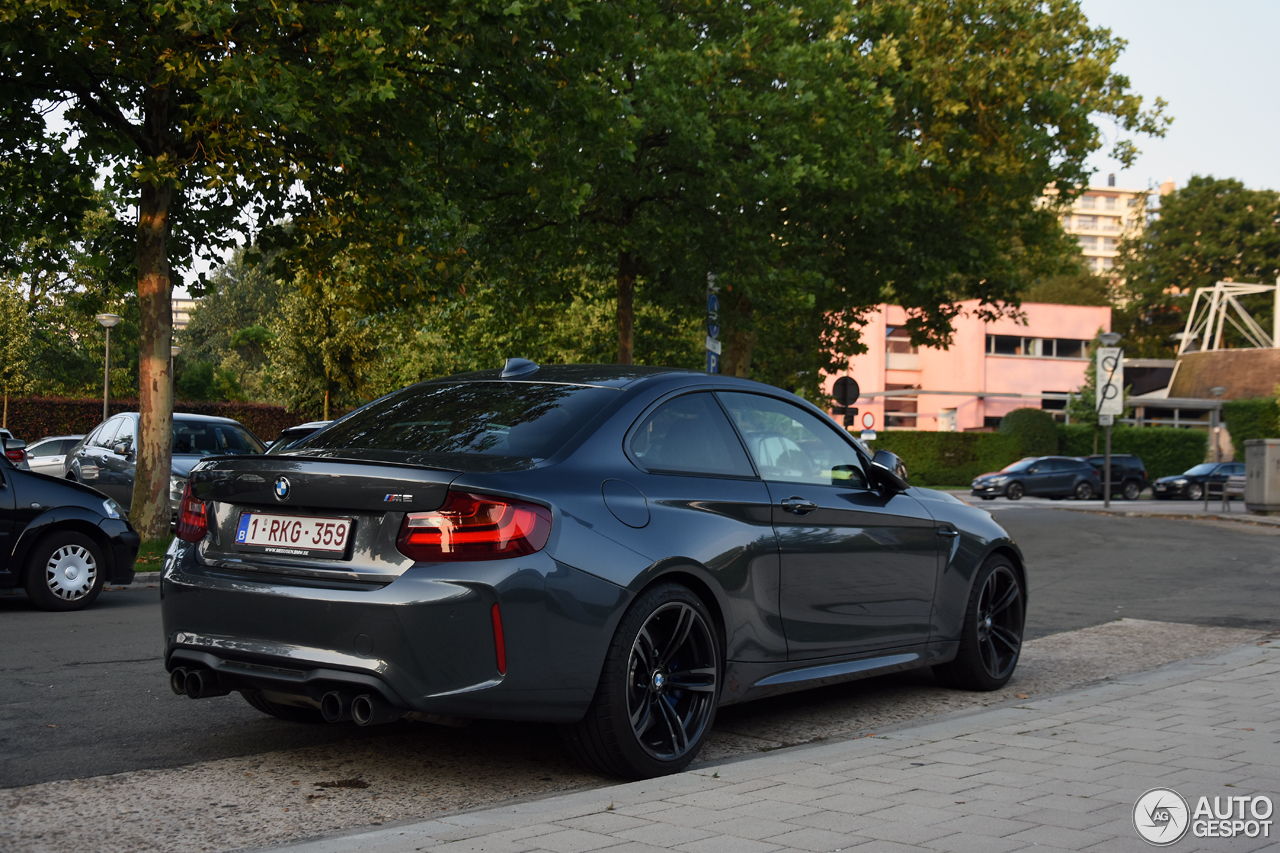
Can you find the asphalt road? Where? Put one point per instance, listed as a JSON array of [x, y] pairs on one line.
[[85, 694]]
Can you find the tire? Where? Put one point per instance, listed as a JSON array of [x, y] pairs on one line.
[[1131, 490], [1195, 492], [65, 571], [288, 713], [991, 639], [639, 725], [1083, 491], [987, 497], [1015, 492]]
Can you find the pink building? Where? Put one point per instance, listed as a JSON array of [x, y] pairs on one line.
[[955, 389]]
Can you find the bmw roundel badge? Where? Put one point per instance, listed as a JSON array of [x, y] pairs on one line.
[[282, 488]]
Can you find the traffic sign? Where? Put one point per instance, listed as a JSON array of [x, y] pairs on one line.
[[1110, 381], [1106, 420], [868, 420], [846, 391]]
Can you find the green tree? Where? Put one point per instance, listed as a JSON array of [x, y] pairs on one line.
[[15, 346], [204, 113], [1082, 288], [324, 349], [1211, 230]]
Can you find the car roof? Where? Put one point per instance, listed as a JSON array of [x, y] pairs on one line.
[[606, 375], [183, 416]]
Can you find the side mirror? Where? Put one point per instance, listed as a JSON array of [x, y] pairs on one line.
[[893, 462], [121, 448], [888, 472]]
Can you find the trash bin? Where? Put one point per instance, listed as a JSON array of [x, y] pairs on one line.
[[1262, 476]]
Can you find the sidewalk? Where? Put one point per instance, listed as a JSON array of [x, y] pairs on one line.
[[1061, 773]]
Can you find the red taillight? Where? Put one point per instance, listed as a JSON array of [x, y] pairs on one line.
[[16, 455], [499, 642], [192, 523], [475, 527]]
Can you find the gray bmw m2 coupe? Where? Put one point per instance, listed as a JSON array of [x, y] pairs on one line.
[[620, 550]]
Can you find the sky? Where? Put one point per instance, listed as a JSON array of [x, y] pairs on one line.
[[1216, 65]]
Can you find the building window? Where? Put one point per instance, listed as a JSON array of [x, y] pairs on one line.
[[1105, 263], [1087, 223], [901, 411], [1053, 405], [1089, 244], [1109, 203], [1108, 244], [991, 423], [1041, 347], [1135, 201], [1088, 201], [899, 340]]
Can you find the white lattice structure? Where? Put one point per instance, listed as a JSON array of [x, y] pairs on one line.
[[1212, 308]]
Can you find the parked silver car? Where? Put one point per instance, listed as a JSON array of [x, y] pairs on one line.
[[49, 454]]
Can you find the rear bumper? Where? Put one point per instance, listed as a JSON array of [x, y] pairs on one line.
[[424, 642]]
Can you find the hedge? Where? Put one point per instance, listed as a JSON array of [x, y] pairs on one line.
[[1246, 419], [1164, 450], [1034, 428], [949, 458], [32, 418]]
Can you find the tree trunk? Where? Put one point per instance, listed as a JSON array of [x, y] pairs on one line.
[[626, 307], [150, 510], [737, 355], [326, 404], [740, 343], [4, 421]]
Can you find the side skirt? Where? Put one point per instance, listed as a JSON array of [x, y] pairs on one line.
[[745, 681]]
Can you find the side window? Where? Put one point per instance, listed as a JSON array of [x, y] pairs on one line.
[[792, 445], [690, 435], [48, 448], [105, 433], [127, 434]]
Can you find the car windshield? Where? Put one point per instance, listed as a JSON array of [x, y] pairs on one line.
[[530, 420], [1200, 470], [1020, 465], [209, 438]]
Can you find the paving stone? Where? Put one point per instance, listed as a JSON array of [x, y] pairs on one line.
[[816, 840]]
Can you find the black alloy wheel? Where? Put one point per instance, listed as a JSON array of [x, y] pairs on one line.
[[1083, 491], [1195, 491], [991, 641], [1015, 492], [658, 690], [1131, 490]]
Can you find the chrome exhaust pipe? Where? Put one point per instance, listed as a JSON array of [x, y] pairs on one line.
[[369, 709], [203, 683], [178, 680], [335, 706]]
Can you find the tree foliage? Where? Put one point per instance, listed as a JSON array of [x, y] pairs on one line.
[[15, 347], [1211, 230]]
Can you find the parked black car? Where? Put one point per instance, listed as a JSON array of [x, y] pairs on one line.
[[1191, 483], [617, 549], [1041, 476], [1128, 474], [107, 457], [61, 541]]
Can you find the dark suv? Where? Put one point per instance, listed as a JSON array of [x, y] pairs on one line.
[[1128, 474]]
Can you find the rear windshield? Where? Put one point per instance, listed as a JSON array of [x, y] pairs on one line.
[[514, 419], [1200, 470], [200, 438]]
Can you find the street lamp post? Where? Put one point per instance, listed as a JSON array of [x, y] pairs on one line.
[[1215, 423], [107, 321], [1110, 385]]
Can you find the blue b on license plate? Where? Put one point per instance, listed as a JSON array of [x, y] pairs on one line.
[[293, 535]]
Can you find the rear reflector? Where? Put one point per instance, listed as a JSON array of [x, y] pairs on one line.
[[475, 527], [499, 642], [192, 522]]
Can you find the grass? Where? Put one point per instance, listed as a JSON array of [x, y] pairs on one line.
[[151, 555]]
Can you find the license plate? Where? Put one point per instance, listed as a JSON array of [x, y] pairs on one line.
[[293, 535]]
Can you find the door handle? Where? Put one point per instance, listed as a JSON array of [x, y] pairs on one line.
[[799, 506], [948, 532]]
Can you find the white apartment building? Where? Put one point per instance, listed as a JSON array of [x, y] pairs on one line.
[[1101, 216]]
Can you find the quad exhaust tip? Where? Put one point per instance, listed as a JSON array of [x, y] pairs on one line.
[[203, 683], [335, 706], [369, 709], [178, 680]]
